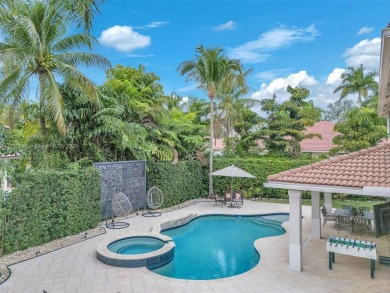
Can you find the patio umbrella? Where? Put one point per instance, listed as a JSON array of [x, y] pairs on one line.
[[232, 171]]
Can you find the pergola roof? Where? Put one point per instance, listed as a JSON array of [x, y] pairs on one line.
[[365, 172]]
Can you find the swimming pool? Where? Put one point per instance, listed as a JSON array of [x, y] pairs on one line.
[[212, 247]]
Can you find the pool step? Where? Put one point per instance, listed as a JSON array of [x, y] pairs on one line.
[[277, 218], [276, 222], [268, 223], [384, 260]]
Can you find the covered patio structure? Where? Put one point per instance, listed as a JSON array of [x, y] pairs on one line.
[[366, 172]]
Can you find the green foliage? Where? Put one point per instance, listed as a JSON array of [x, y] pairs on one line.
[[50, 204], [37, 45], [259, 167], [287, 121], [356, 81], [336, 111], [361, 128], [179, 183]]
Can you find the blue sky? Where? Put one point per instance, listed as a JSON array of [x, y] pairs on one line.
[[285, 42]]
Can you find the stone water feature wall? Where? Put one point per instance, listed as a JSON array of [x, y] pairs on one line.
[[128, 177], [382, 219]]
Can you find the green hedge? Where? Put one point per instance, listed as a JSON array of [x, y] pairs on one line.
[[179, 183], [51, 204], [259, 167]]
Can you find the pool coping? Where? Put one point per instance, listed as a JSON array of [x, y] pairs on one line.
[[150, 260]]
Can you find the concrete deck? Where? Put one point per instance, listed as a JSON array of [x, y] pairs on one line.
[[76, 268]]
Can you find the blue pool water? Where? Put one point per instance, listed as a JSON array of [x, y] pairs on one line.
[[135, 245], [215, 247]]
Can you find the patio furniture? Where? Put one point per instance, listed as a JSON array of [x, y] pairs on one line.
[[121, 206], [217, 199], [362, 223], [348, 209], [238, 197], [352, 247], [346, 221], [327, 216], [228, 197], [154, 200]]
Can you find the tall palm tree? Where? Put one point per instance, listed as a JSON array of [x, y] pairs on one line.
[[212, 70], [355, 81], [36, 46], [230, 103], [84, 10]]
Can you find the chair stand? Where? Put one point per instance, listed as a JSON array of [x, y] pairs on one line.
[[116, 225], [150, 213]]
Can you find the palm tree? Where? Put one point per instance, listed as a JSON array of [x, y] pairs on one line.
[[356, 82], [212, 70], [37, 47], [84, 10], [230, 103]]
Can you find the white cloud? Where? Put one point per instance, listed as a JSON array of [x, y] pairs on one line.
[[280, 84], [320, 92], [123, 38], [153, 24], [335, 76], [184, 100], [366, 52], [277, 38], [230, 25], [365, 30]]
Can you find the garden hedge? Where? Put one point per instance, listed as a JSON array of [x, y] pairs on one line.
[[259, 167], [51, 204], [179, 183]]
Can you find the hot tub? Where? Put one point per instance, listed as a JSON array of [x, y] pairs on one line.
[[137, 250]]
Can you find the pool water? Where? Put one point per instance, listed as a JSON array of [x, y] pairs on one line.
[[135, 245], [213, 247]]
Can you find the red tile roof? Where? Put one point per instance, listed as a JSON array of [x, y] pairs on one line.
[[324, 144], [368, 167], [311, 145]]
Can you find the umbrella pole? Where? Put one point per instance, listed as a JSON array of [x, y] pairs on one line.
[[231, 192]]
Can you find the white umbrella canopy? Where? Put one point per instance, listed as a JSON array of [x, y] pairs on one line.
[[232, 171]]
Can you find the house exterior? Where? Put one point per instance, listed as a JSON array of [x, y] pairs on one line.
[[311, 145]]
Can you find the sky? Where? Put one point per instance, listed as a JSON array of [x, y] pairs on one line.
[[307, 43]]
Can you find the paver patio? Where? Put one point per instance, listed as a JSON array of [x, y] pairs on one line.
[[76, 268]]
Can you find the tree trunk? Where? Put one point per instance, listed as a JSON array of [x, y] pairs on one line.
[[42, 120], [211, 142]]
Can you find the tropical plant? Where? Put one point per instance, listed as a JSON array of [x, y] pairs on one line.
[[361, 128], [355, 81], [287, 122], [84, 10], [212, 70], [336, 111], [37, 45], [230, 104]]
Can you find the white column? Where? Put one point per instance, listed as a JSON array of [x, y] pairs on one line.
[[315, 215], [295, 247], [328, 201]]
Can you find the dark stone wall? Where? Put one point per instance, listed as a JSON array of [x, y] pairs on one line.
[[382, 219], [128, 177]]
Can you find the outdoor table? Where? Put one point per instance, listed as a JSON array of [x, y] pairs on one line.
[[345, 212]]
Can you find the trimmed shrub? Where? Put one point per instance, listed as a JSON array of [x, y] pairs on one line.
[[259, 167], [179, 183], [51, 204]]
